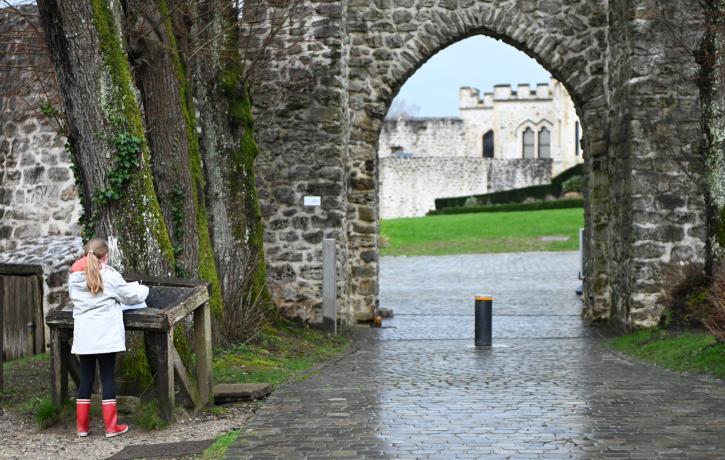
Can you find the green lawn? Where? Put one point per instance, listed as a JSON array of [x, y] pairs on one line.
[[482, 232], [687, 351]]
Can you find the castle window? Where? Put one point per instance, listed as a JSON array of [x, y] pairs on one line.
[[544, 143], [529, 140], [488, 144], [576, 139]]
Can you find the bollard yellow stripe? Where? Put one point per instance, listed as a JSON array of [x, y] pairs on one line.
[[484, 298]]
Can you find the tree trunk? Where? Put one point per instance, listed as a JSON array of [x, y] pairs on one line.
[[145, 186], [711, 58], [106, 134], [150, 49], [227, 142]]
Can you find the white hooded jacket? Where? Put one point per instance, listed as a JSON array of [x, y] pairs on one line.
[[98, 318]]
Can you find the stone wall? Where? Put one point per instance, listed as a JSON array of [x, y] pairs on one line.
[[662, 201], [423, 137], [410, 186], [510, 174], [37, 190], [303, 134]]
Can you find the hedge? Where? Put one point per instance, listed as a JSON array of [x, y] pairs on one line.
[[519, 195], [535, 206]]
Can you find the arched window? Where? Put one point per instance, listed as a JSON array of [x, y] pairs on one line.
[[529, 140], [488, 144], [544, 143]]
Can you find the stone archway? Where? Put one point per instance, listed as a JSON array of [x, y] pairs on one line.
[[321, 110]]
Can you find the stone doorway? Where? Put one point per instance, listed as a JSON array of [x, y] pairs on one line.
[[321, 110]]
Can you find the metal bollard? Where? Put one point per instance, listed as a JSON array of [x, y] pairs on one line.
[[484, 313], [329, 286]]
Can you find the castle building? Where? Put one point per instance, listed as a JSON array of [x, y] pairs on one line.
[[501, 140]]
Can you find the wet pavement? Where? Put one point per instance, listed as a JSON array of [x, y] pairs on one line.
[[547, 389]]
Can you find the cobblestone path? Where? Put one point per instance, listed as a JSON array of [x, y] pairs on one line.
[[419, 389]]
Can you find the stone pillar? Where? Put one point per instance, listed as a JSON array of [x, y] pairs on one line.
[[300, 104], [667, 223]]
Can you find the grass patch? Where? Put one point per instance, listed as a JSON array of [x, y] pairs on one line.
[[46, 414], [220, 446], [482, 233], [685, 352], [280, 351], [147, 416], [26, 383]]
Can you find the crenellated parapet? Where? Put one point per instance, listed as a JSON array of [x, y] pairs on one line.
[[471, 98]]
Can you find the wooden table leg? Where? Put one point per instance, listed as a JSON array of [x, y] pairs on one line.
[[59, 355], [158, 345], [202, 348], [74, 370]]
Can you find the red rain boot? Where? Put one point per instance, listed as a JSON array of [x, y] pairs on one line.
[[83, 416], [110, 418]]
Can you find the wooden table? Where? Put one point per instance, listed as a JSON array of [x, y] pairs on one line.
[[169, 302]]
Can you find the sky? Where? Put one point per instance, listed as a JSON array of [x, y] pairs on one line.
[[479, 62]]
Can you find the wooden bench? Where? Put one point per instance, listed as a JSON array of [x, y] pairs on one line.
[[169, 302]]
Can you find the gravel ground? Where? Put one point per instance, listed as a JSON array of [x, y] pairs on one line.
[[20, 437]]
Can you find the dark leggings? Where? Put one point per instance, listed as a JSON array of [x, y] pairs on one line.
[[106, 363]]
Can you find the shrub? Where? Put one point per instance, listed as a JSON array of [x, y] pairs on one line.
[[685, 289], [716, 321], [246, 309], [147, 416], [573, 184], [533, 206], [519, 195]]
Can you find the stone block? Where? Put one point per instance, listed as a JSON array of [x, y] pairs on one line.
[[6, 196], [386, 312], [64, 214], [285, 195], [68, 193], [231, 392], [290, 237], [314, 237], [12, 178], [27, 231], [32, 176], [58, 279], [58, 174]]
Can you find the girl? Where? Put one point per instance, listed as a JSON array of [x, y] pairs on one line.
[[97, 291]]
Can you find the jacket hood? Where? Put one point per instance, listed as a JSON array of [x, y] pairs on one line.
[[78, 278], [79, 265]]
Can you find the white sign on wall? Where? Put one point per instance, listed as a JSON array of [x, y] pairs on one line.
[[313, 201]]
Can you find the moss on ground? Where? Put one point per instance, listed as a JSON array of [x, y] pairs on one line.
[[279, 353], [695, 352]]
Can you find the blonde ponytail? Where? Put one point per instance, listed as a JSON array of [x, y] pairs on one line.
[[95, 249]]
